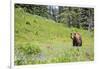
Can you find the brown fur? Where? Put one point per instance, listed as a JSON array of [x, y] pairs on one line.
[[77, 39]]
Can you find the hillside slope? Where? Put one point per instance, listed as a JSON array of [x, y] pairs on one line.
[[41, 40]]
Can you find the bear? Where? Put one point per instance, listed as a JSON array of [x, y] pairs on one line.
[[76, 39]]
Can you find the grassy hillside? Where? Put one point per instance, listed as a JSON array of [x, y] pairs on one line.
[[40, 40]]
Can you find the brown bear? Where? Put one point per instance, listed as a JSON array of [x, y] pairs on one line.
[[77, 39]]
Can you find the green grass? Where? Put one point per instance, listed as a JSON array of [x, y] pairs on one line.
[[45, 41]]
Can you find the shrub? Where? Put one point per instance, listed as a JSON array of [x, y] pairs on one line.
[[24, 53]]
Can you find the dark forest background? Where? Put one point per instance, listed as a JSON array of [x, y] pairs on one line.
[[71, 16]]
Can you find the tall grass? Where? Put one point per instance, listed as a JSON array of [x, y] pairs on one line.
[[40, 40]]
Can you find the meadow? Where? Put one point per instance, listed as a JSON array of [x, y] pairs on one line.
[[39, 40]]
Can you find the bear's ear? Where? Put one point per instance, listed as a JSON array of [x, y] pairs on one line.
[[74, 34], [70, 33]]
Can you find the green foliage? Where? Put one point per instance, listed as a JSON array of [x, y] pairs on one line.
[[24, 52], [71, 16], [40, 10], [29, 49], [40, 40], [76, 16]]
